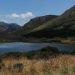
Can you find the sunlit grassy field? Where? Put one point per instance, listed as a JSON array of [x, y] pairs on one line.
[[60, 65]]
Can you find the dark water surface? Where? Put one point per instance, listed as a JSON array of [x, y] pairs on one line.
[[23, 47]]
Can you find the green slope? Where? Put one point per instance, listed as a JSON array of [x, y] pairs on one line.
[[34, 23], [65, 22]]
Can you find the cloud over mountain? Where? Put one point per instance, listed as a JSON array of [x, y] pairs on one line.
[[22, 15], [19, 18]]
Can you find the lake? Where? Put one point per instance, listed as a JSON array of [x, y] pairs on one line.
[[23, 47]]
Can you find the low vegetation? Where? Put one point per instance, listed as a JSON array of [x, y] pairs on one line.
[[43, 53], [47, 61], [60, 65]]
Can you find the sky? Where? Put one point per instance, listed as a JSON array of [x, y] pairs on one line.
[[21, 11]]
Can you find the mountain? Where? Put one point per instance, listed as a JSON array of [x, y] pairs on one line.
[[7, 28], [35, 22], [63, 25]]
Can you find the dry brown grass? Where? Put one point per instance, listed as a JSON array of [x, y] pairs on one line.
[[61, 65]]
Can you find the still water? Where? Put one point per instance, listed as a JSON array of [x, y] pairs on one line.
[[23, 47]]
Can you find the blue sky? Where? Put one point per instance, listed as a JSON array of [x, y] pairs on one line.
[[21, 11]]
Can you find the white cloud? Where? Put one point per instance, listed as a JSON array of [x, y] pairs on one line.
[[25, 15], [21, 18], [14, 15], [22, 15]]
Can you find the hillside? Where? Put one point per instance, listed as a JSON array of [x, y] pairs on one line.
[[64, 25], [35, 22]]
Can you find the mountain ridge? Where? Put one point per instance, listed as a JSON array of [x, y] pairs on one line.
[[64, 24], [8, 27]]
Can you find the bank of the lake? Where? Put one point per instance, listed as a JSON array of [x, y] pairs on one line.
[[24, 47]]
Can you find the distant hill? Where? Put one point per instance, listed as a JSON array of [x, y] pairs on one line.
[[64, 25], [7, 28]]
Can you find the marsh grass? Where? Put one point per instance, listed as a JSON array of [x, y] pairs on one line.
[[60, 65]]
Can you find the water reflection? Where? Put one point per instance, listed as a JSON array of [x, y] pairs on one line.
[[21, 46]]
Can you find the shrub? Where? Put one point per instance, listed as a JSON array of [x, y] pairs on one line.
[[43, 53], [18, 67], [2, 66]]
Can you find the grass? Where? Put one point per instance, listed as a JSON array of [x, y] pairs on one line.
[[60, 65], [46, 61]]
